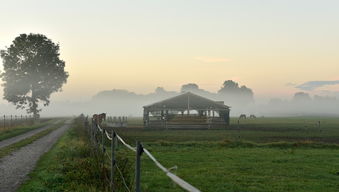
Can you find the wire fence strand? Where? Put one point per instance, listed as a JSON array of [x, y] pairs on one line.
[[122, 177], [182, 183]]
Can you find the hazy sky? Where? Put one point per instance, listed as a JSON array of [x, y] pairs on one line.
[[270, 46]]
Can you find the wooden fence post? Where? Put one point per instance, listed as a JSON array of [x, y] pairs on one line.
[[103, 140], [4, 121], [138, 166], [10, 125]]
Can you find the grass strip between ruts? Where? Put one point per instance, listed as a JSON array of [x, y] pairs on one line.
[[15, 146], [9, 133]]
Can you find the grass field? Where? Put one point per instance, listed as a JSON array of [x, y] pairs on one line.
[[263, 154], [260, 130]]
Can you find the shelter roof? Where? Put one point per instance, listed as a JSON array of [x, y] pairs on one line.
[[185, 101]]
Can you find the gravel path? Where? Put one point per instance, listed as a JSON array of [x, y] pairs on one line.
[[15, 167], [18, 138]]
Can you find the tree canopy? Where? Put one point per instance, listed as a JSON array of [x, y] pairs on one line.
[[189, 87], [233, 92], [32, 71], [301, 97]]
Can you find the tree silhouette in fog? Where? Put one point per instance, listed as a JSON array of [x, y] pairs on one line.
[[301, 97], [189, 87], [32, 71], [233, 92]]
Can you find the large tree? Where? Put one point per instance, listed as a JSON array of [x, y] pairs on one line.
[[32, 71]]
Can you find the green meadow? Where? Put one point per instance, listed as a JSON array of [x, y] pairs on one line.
[[263, 154], [259, 155]]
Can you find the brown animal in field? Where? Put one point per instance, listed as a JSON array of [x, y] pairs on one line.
[[253, 116], [98, 118], [242, 116]]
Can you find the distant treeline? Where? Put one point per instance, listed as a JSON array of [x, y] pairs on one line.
[[230, 92], [241, 99]]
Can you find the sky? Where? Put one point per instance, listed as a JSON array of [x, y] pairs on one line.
[[271, 46]]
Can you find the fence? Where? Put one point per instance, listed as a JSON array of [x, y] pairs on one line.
[[8, 121], [114, 138], [117, 121]]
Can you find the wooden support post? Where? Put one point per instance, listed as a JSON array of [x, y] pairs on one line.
[[238, 128], [138, 167], [96, 139], [10, 125]]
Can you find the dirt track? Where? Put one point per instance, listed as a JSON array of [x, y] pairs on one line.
[[15, 167], [18, 138]]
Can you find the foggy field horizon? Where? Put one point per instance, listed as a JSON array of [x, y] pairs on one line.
[[121, 102]]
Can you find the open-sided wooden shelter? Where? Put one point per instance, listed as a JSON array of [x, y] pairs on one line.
[[187, 111]]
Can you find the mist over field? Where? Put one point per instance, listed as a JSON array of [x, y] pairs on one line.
[[242, 100]]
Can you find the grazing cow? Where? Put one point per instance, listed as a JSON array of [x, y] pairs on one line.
[[253, 116], [242, 116], [98, 118]]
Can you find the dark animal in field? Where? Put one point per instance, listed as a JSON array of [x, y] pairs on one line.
[[98, 118], [253, 116], [242, 116]]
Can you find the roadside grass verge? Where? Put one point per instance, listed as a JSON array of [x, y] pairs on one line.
[[15, 146], [12, 132], [69, 166]]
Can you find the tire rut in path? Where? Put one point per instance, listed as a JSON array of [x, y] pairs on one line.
[[14, 168], [20, 137]]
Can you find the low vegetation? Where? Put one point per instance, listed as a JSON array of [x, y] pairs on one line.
[[69, 166]]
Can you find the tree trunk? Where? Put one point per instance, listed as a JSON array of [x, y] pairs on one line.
[[34, 108]]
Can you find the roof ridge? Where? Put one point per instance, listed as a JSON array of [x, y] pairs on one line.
[[188, 93]]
